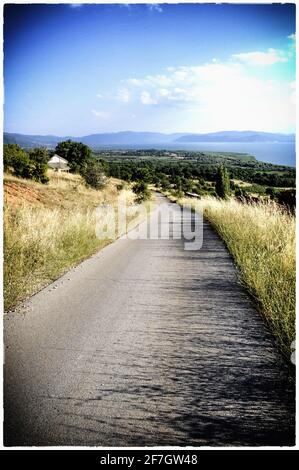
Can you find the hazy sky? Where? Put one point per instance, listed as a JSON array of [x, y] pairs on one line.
[[79, 69]]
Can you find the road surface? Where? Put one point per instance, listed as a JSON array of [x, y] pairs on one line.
[[145, 344]]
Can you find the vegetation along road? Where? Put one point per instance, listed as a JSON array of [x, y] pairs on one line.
[[148, 344]]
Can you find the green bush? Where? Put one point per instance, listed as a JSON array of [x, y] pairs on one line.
[[241, 192], [287, 198], [164, 183], [31, 166], [140, 188], [39, 158], [14, 158], [93, 174], [222, 183], [271, 192]]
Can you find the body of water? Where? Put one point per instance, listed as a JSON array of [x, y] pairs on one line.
[[279, 153]]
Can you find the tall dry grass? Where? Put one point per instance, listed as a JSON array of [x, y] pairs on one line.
[[261, 238], [43, 240], [40, 244]]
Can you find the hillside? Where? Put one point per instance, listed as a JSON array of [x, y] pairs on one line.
[[64, 191], [50, 229]]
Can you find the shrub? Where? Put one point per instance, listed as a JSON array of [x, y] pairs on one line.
[[222, 183], [39, 155], [39, 158], [140, 188], [240, 193], [31, 166], [93, 174], [287, 198], [164, 183], [15, 158], [271, 193]]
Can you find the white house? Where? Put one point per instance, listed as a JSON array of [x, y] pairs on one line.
[[58, 163]]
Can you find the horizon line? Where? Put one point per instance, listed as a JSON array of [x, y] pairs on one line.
[[151, 132]]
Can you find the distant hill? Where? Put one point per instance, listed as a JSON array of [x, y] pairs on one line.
[[237, 136], [128, 138], [93, 140], [28, 141]]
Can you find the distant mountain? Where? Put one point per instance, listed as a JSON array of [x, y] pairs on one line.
[[237, 136], [128, 138], [94, 140], [29, 141]]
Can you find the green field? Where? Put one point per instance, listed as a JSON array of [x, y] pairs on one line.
[[161, 165]]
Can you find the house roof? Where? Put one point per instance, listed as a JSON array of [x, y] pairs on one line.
[[57, 159]]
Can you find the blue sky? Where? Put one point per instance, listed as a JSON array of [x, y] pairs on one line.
[[80, 69]]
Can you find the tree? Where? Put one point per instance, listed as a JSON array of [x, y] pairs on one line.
[[14, 156], [186, 185], [39, 155], [76, 153], [177, 182], [17, 160], [93, 174], [143, 174], [31, 166], [164, 183], [39, 158], [140, 188], [222, 183], [287, 198], [271, 193]]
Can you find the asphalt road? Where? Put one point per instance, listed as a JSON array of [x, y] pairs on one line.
[[145, 344]]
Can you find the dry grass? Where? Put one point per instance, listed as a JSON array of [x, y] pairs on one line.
[[65, 191], [50, 228], [261, 238]]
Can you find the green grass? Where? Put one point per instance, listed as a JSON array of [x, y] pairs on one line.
[[261, 239]]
